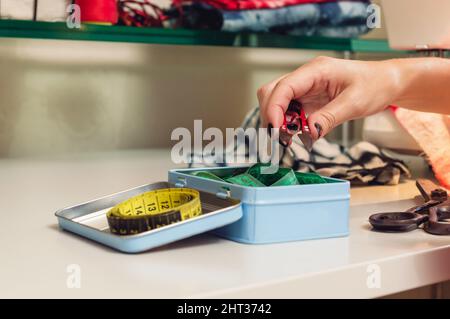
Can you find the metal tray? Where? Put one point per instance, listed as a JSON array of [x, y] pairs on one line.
[[89, 220]]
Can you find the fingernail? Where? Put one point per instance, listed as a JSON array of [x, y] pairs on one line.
[[319, 129], [269, 129]]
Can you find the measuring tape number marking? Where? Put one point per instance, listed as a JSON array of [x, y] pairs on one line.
[[154, 209]]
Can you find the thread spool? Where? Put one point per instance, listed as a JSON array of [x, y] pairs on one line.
[[98, 11]]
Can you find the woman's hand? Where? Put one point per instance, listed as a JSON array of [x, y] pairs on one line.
[[331, 91]]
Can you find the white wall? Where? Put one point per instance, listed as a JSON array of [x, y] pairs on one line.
[[68, 96]]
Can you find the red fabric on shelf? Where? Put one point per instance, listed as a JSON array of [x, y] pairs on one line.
[[102, 11]]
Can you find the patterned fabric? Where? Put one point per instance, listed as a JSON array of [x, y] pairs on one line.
[[279, 20], [285, 19], [335, 19], [256, 4], [348, 31], [362, 164]]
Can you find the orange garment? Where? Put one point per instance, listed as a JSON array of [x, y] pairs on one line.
[[432, 132]]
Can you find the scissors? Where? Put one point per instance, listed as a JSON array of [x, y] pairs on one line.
[[295, 123], [432, 214]]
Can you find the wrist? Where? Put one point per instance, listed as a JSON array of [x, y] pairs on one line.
[[398, 78], [418, 81]]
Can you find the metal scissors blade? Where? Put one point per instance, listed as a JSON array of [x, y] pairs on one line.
[[295, 123], [431, 191], [306, 139]]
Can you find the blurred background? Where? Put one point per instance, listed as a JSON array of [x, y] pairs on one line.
[[63, 97]]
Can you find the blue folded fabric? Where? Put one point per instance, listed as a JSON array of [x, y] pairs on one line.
[[342, 19], [341, 13], [348, 31], [266, 20]]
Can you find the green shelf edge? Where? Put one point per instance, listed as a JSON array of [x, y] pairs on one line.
[[92, 32]]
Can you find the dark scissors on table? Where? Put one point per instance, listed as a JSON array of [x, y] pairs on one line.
[[295, 124], [433, 214]]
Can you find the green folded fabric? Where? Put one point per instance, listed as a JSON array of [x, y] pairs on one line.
[[254, 177]]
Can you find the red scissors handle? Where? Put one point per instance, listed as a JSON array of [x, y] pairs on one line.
[[294, 123]]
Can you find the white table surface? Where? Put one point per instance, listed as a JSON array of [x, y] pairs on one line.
[[35, 253]]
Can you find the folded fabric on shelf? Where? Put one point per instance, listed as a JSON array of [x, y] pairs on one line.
[[347, 17], [349, 31], [257, 4], [271, 20], [362, 164], [343, 13]]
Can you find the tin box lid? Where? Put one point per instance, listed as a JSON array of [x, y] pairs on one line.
[[89, 220]]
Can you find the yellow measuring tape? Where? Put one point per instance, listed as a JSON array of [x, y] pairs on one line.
[[154, 209]]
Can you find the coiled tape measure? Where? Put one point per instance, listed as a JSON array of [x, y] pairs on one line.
[[154, 209]]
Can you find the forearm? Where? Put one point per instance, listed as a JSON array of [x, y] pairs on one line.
[[422, 84]]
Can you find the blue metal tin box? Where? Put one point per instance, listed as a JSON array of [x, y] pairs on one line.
[[277, 214], [245, 214]]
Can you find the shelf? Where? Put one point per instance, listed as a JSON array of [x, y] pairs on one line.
[[91, 32]]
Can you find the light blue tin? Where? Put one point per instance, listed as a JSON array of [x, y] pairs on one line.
[[253, 215], [277, 214]]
